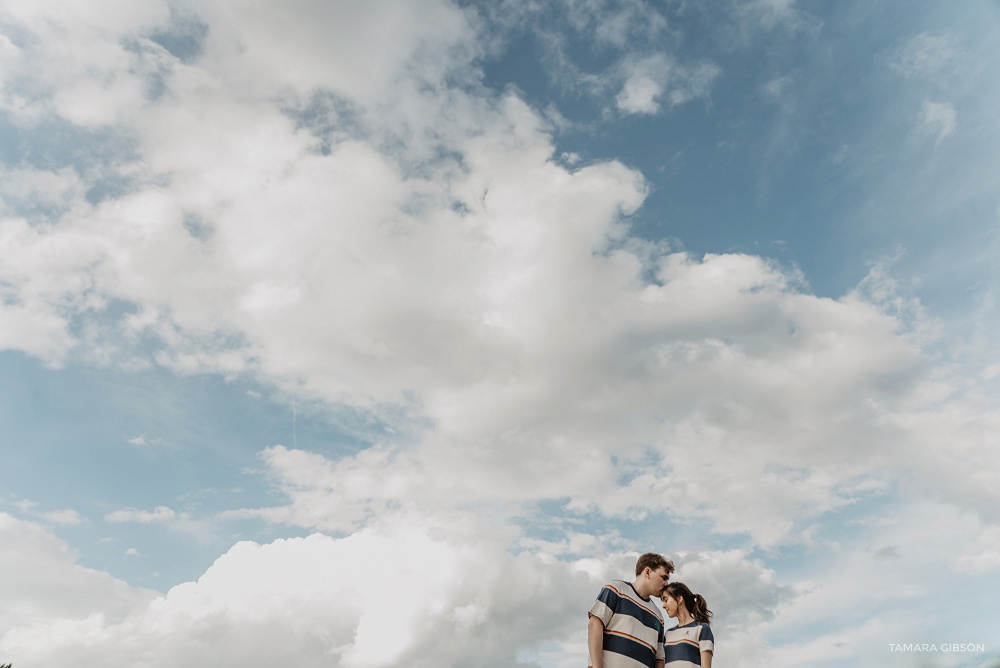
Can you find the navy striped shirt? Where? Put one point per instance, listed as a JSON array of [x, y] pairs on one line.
[[685, 644], [633, 627]]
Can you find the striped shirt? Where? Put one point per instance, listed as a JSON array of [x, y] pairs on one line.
[[685, 644], [633, 627]]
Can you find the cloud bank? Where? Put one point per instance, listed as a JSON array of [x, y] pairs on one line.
[[326, 198]]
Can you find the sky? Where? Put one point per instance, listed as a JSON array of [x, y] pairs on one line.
[[371, 334]]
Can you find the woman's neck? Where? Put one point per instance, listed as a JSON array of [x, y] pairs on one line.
[[684, 618]]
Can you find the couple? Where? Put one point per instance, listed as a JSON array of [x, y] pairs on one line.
[[626, 628]]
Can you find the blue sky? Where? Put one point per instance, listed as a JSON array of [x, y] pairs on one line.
[[322, 319]]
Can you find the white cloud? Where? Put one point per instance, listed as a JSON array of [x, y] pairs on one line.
[[639, 95], [278, 216], [65, 517], [775, 88], [742, 592], [620, 23], [937, 120], [927, 55], [983, 554], [40, 583], [327, 601], [884, 584], [33, 191], [143, 441], [322, 601], [652, 78], [326, 198], [755, 18], [37, 333], [705, 380], [158, 514]]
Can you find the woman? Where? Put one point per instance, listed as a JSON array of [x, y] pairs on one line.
[[691, 642]]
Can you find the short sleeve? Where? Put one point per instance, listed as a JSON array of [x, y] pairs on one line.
[[605, 605], [706, 641]]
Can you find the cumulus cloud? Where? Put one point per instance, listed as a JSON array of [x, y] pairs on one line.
[[742, 591], [321, 601], [282, 200], [41, 583], [334, 205], [533, 336], [683, 390], [329, 601], [639, 95]]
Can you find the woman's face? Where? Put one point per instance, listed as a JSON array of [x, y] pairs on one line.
[[670, 605]]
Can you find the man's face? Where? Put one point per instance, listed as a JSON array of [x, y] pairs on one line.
[[658, 579]]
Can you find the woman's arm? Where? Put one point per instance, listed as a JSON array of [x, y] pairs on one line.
[[706, 659]]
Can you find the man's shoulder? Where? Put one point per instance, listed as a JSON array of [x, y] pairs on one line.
[[621, 592], [628, 590], [619, 588]]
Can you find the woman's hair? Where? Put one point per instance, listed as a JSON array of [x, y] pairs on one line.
[[695, 603]]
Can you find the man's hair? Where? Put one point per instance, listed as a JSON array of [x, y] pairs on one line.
[[653, 561]]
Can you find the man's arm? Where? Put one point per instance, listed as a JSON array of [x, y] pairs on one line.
[[595, 641], [660, 663]]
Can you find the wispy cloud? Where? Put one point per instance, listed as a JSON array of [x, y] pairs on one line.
[[938, 120], [158, 514], [653, 80], [930, 56], [67, 517], [64, 517]]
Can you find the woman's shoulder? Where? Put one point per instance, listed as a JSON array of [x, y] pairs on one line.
[[693, 626]]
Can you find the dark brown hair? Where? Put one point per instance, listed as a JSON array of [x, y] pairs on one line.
[[695, 603], [653, 561]]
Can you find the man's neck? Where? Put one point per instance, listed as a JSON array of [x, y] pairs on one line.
[[637, 586]]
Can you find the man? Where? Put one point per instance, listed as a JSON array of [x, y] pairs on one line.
[[626, 628]]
